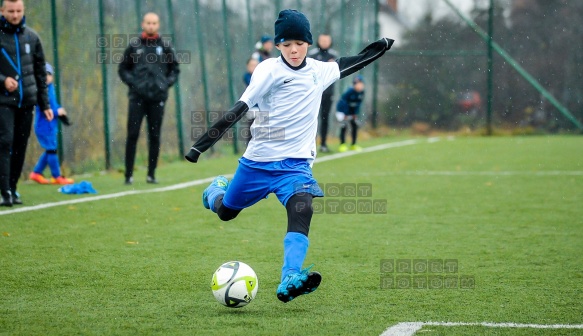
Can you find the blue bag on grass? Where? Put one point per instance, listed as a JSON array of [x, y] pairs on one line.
[[82, 187]]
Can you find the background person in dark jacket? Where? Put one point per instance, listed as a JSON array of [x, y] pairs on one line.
[[348, 108], [324, 53], [22, 86], [149, 68], [263, 48]]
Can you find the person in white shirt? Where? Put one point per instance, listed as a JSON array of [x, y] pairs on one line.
[[279, 158]]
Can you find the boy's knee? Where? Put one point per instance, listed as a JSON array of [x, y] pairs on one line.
[[224, 213], [301, 206], [299, 213]]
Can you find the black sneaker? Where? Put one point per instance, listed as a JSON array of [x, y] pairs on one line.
[[6, 199], [129, 181], [151, 180], [16, 198], [324, 149]]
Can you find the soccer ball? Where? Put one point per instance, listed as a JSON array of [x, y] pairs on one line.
[[234, 284]]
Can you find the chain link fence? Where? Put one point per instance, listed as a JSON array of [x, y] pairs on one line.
[[434, 82]]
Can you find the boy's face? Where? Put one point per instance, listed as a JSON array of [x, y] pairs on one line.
[[359, 86], [294, 51], [13, 11], [49, 78]]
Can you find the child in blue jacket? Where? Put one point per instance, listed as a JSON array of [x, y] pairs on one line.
[[46, 133], [348, 108]]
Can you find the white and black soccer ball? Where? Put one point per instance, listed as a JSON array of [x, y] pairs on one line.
[[234, 284]]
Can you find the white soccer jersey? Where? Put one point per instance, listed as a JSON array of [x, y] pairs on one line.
[[289, 101]]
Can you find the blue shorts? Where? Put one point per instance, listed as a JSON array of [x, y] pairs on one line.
[[46, 133], [253, 181]]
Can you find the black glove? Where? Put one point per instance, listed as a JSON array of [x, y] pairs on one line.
[[65, 120]]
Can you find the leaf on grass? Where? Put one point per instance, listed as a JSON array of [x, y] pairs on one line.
[[6, 234], [72, 207], [488, 184], [176, 209], [132, 242]]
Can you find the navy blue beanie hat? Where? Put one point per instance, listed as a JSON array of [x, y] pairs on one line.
[[292, 25], [358, 78]]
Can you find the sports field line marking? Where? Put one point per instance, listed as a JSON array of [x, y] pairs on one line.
[[410, 328], [479, 173], [377, 148], [108, 196], [202, 181]]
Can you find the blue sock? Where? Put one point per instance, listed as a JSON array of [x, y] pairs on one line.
[[53, 160], [41, 164], [214, 192], [295, 248]]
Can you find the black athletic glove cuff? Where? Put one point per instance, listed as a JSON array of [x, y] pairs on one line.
[[351, 64], [65, 120], [192, 155]]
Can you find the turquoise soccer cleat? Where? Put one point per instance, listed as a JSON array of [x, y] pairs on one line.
[[219, 182], [298, 284]]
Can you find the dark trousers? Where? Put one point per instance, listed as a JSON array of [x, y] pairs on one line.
[[343, 127], [15, 125], [325, 117], [154, 113]]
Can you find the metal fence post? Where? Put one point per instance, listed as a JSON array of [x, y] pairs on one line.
[[177, 96], [104, 88], [490, 67], [56, 76], [229, 71], [375, 71], [203, 71]]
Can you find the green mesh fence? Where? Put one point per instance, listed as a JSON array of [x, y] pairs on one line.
[[80, 58], [439, 63]]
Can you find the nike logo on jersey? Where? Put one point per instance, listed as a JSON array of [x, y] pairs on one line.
[[288, 80]]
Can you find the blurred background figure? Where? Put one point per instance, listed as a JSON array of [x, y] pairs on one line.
[[149, 69], [348, 108], [47, 134], [263, 48], [324, 53], [23, 75], [249, 116]]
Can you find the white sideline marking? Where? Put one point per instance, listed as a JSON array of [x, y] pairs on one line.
[[202, 181], [410, 328], [483, 173], [108, 196], [376, 148]]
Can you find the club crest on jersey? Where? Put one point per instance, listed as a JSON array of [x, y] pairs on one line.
[[315, 78]]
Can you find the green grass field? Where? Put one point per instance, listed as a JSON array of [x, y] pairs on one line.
[[509, 210]]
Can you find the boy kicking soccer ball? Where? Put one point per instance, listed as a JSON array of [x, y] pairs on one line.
[[282, 149]]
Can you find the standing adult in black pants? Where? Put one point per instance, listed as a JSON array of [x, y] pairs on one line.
[[23, 84], [324, 53], [149, 68]]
